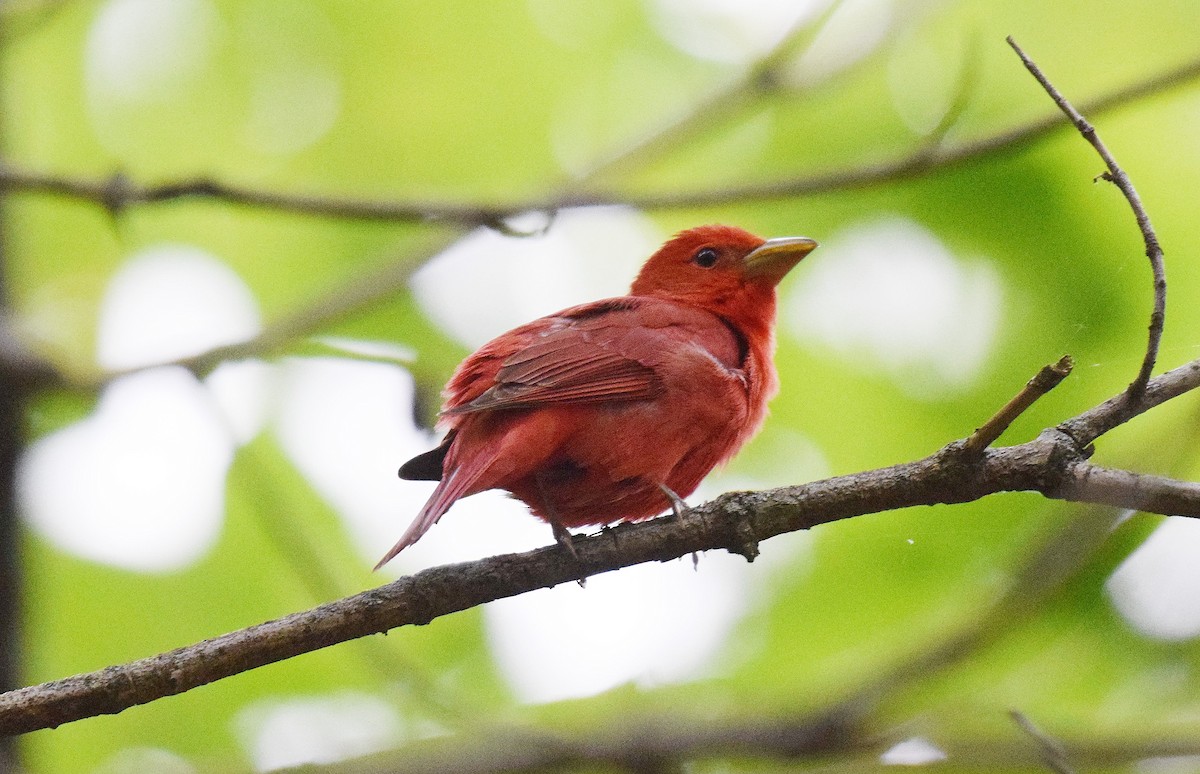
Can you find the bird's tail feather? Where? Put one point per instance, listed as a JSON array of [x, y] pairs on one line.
[[456, 485]]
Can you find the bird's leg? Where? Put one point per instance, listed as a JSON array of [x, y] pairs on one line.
[[561, 535], [678, 506], [563, 538]]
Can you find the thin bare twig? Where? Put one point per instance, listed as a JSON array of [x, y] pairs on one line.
[[1117, 176], [13, 403], [761, 79], [655, 743], [118, 193], [1097, 753], [1045, 380], [692, 739], [1051, 751], [1048, 464], [964, 92], [359, 293], [1117, 410]]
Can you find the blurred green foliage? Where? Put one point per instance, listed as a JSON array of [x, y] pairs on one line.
[[502, 102]]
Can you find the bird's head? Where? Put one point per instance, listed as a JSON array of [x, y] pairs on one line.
[[724, 269]]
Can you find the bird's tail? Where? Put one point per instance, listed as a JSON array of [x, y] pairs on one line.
[[456, 485]]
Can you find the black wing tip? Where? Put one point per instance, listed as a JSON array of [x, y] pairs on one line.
[[427, 466]]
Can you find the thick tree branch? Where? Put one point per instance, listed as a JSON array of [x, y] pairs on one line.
[[1117, 176], [848, 726], [855, 717], [1049, 464], [1090, 483]]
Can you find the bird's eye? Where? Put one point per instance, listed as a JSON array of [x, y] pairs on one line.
[[705, 258]]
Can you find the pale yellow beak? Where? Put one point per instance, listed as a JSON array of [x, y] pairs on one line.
[[774, 258]]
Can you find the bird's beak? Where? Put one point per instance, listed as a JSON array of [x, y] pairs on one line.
[[776, 257]]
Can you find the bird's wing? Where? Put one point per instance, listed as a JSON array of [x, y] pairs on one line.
[[602, 351]]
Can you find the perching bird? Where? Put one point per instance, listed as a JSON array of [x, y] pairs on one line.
[[612, 411]]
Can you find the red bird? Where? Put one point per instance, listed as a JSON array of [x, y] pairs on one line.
[[611, 411]]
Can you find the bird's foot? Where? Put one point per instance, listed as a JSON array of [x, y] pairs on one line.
[[561, 535], [678, 506]]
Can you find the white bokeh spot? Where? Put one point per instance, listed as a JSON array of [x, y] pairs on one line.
[[487, 283], [915, 751], [171, 301], [242, 392], [922, 80], [1155, 589], [283, 733], [730, 30], [891, 293], [141, 483], [852, 32], [138, 760], [650, 624], [347, 425], [291, 62], [144, 51]]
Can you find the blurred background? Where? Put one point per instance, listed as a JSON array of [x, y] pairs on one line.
[[160, 505]]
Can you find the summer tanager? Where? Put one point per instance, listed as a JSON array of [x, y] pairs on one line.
[[612, 411]]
